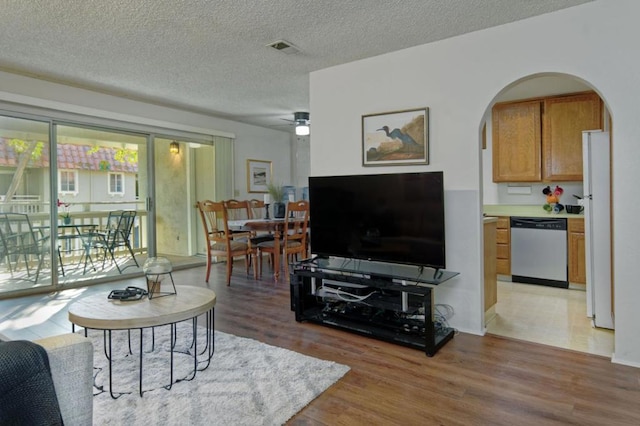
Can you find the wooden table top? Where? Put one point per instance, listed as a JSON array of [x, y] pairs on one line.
[[99, 312]]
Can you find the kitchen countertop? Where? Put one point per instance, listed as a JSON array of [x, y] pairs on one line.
[[525, 210], [489, 219]]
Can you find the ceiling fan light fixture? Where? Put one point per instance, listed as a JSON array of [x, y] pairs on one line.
[[302, 123]]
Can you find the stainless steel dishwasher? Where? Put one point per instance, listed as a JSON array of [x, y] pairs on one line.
[[539, 251]]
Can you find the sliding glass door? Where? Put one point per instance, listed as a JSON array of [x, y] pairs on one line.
[[25, 204], [101, 174], [66, 187]]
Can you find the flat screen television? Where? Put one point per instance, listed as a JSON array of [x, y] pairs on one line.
[[397, 218]]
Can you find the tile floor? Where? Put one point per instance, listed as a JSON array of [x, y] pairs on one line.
[[547, 315]]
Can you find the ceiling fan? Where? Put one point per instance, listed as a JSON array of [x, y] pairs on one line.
[[302, 123]]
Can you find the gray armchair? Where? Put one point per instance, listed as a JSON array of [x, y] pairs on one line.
[[71, 363], [48, 381]]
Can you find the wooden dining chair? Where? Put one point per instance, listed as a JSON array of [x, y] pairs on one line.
[[221, 242], [256, 208], [237, 209], [294, 238], [241, 210]]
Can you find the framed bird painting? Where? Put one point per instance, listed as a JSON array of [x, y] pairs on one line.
[[396, 138]]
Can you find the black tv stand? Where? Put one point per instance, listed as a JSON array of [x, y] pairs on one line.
[[389, 302]]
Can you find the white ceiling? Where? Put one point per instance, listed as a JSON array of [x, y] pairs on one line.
[[212, 56]]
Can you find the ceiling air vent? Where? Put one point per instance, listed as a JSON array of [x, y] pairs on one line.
[[283, 46]]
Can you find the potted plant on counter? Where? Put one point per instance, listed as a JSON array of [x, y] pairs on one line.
[[276, 191]]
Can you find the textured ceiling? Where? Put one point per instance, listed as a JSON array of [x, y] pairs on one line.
[[211, 56]]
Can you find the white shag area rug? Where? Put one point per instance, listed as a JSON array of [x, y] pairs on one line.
[[247, 382]]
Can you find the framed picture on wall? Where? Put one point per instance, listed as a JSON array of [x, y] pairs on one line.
[[258, 175], [396, 138]]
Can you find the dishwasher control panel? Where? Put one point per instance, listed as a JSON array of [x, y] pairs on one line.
[[559, 224]]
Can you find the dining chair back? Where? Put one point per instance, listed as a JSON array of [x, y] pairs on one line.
[[238, 210], [221, 242], [256, 208], [294, 238], [298, 227], [20, 239]]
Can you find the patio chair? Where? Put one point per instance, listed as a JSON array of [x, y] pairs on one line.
[[117, 234], [19, 239]]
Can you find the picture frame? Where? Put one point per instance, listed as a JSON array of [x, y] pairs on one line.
[[396, 138], [258, 175]]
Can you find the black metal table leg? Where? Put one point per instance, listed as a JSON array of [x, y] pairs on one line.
[[208, 351], [141, 351]]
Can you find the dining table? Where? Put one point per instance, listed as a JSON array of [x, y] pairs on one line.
[[271, 225]]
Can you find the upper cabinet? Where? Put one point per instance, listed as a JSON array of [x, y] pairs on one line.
[[564, 119], [541, 139], [517, 142]]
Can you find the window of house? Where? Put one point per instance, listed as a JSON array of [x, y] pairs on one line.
[[116, 183], [68, 181]]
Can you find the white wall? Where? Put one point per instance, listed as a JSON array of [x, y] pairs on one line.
[[458, 80], [300, 160], [254, 144], [250, 141]]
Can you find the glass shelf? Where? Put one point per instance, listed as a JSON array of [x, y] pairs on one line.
[[418, 275]]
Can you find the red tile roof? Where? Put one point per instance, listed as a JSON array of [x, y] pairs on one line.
[[71, 156]]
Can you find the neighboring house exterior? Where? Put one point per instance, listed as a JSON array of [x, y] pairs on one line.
[[90, 177]]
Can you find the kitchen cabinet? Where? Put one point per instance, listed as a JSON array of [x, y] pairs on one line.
[[576, 251], [490, 265], [503, 246], [540, 140], [517, 143], [564, 119]]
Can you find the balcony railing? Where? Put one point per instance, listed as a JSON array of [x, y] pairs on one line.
[[99, 220], [21, 204]]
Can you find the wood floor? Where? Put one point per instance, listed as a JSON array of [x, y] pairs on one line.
[[472, 380]]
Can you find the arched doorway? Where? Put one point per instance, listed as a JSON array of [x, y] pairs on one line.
[[548, 315]]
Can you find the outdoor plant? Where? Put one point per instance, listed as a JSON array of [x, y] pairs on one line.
[[64, 213]]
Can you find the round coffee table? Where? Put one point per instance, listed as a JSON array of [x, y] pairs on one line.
[[100, 313]]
